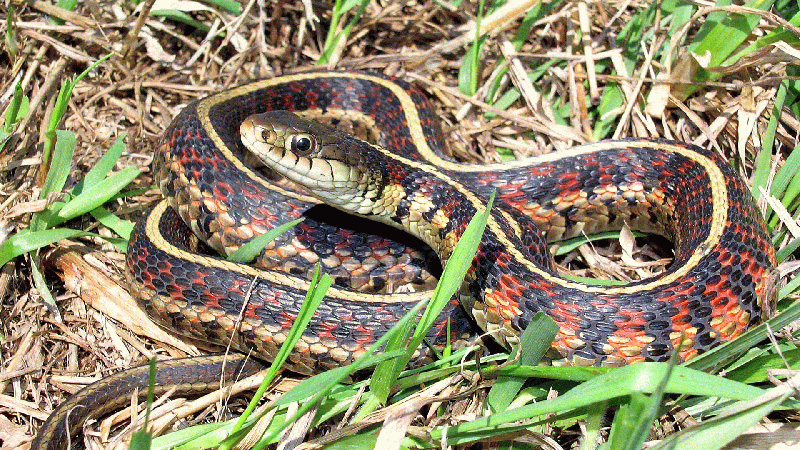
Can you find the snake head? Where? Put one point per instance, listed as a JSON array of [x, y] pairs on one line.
[[327, 162]]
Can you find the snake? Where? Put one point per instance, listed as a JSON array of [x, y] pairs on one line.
[[239, 162]]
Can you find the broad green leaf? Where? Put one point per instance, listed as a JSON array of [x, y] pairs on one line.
[[723, 36], [778, 34]]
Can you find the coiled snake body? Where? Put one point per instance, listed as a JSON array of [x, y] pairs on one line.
[[719, 284]]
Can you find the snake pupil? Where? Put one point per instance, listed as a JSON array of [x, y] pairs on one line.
[[301, 143]]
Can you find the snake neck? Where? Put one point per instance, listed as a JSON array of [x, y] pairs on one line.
[[364, 179], [412, 199]]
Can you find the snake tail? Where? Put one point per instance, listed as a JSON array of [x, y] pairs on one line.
[[98, 399]]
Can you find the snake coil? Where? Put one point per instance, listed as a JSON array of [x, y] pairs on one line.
[[721, 281]]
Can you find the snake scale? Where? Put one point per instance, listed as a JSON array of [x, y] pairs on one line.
[[720, 283]]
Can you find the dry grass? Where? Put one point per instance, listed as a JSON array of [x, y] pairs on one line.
[[160, 65]]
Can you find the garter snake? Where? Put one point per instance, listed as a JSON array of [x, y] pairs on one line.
[[721, 281]]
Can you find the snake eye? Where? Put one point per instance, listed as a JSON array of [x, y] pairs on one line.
[[302, 144]]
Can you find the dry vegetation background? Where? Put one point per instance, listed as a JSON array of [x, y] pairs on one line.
[[159, 64]]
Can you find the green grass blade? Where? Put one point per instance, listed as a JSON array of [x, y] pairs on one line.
[[340, 374], [790, 288], [337, 375], [307, 388], [763, 163], [103, 166], [468, 72], [755, 371], [12, 112], [25, 242], [143, 439], [534, 343], [248, 252], [719, 355], [719, 431], [625, 434], [330, 37], [450, 282], [314, 296], [791, 193], [786, 184], [11, 42], [537, 11], [786, 173], [97, 194], [571, 244], [123, 228], [210, 435], [634, 428], [595, 417], [784, 253], [456, 269], [644, 378], [44, 290], [332, 41], [512, 95], [61, 164], [230, 6], [180, 17], [177, 438], [386, 373], [567, 373], [60, 107]]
